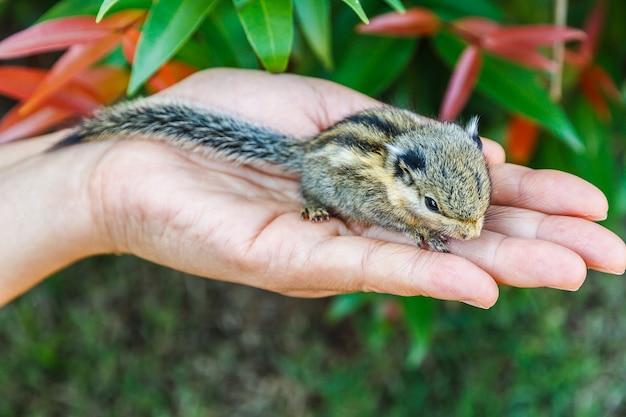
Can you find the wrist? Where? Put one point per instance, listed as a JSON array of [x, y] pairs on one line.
[[47, 218]]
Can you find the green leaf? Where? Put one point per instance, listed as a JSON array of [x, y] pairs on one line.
[[454, 9], [396, 5], [371, 64], [91, 7], [516, 89], [345, 305], [598, 164], [314, 18], [104, 8], [71, 8], [194, 52], [168, 26], [358, 9], [269, 27], [418, 315], [228, 45]]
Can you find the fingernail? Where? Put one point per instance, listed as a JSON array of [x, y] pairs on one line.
[[563, 288], [606, 270], [474, 304]]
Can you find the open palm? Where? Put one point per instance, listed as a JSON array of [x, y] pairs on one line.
[[242, 224]]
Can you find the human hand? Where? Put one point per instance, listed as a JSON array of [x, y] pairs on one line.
[[242, 224]]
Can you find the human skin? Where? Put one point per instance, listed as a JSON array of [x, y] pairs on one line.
[[241, 224]]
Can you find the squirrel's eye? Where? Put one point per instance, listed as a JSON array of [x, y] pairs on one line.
[[431, 204]]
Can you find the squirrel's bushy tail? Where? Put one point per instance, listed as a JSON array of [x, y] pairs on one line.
[[192, 127]]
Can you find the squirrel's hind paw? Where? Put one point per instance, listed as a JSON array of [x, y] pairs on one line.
[[315, 214]]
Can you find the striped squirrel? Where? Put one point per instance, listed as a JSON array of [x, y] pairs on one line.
[[384, 166]]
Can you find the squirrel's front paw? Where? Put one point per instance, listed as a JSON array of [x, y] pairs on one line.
[[434, 240], [438, 244], [315, 214]]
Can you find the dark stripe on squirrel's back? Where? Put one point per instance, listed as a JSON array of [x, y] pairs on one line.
[[371, 119], [355, 142]]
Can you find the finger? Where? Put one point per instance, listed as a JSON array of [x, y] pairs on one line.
[[352, 263], [494, 152], [523, 262], [600, 248], [547, 191]]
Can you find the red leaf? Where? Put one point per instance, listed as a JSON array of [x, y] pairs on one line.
[[529, 36], [129, 44], [80, 56], [593, 28], [527, 57], [521, 139], [473, 29], [414, 22], [53, 35], [170, 74], [14, 126], [64, 32], [75, 60], [106, 83], [602, 79], [461, 83], [82, 95], [597, 101], [596, 85], [20, 83], [125, 19]]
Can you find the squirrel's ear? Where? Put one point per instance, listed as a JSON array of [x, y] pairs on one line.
[[393, 150], [413, 159], [472, 130]]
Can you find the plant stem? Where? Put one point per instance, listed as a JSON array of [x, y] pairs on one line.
[[558, 51]]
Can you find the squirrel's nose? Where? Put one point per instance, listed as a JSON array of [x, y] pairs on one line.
[[473, 230]]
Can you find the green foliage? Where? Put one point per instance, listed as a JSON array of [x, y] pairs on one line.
[[269, 27], [224, 41], [315, 20], [104, 8], [516, 89], [366, 63], [357, 67], [453, 9], [396, 5], [269, 30], [92, 7], [170, 23], [358, 9]]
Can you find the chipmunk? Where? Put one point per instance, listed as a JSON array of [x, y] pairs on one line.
[[384, 166]]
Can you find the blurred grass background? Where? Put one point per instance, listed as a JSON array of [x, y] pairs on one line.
[[117, 336]]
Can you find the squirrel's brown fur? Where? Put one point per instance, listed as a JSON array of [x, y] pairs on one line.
[[383, 166]]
